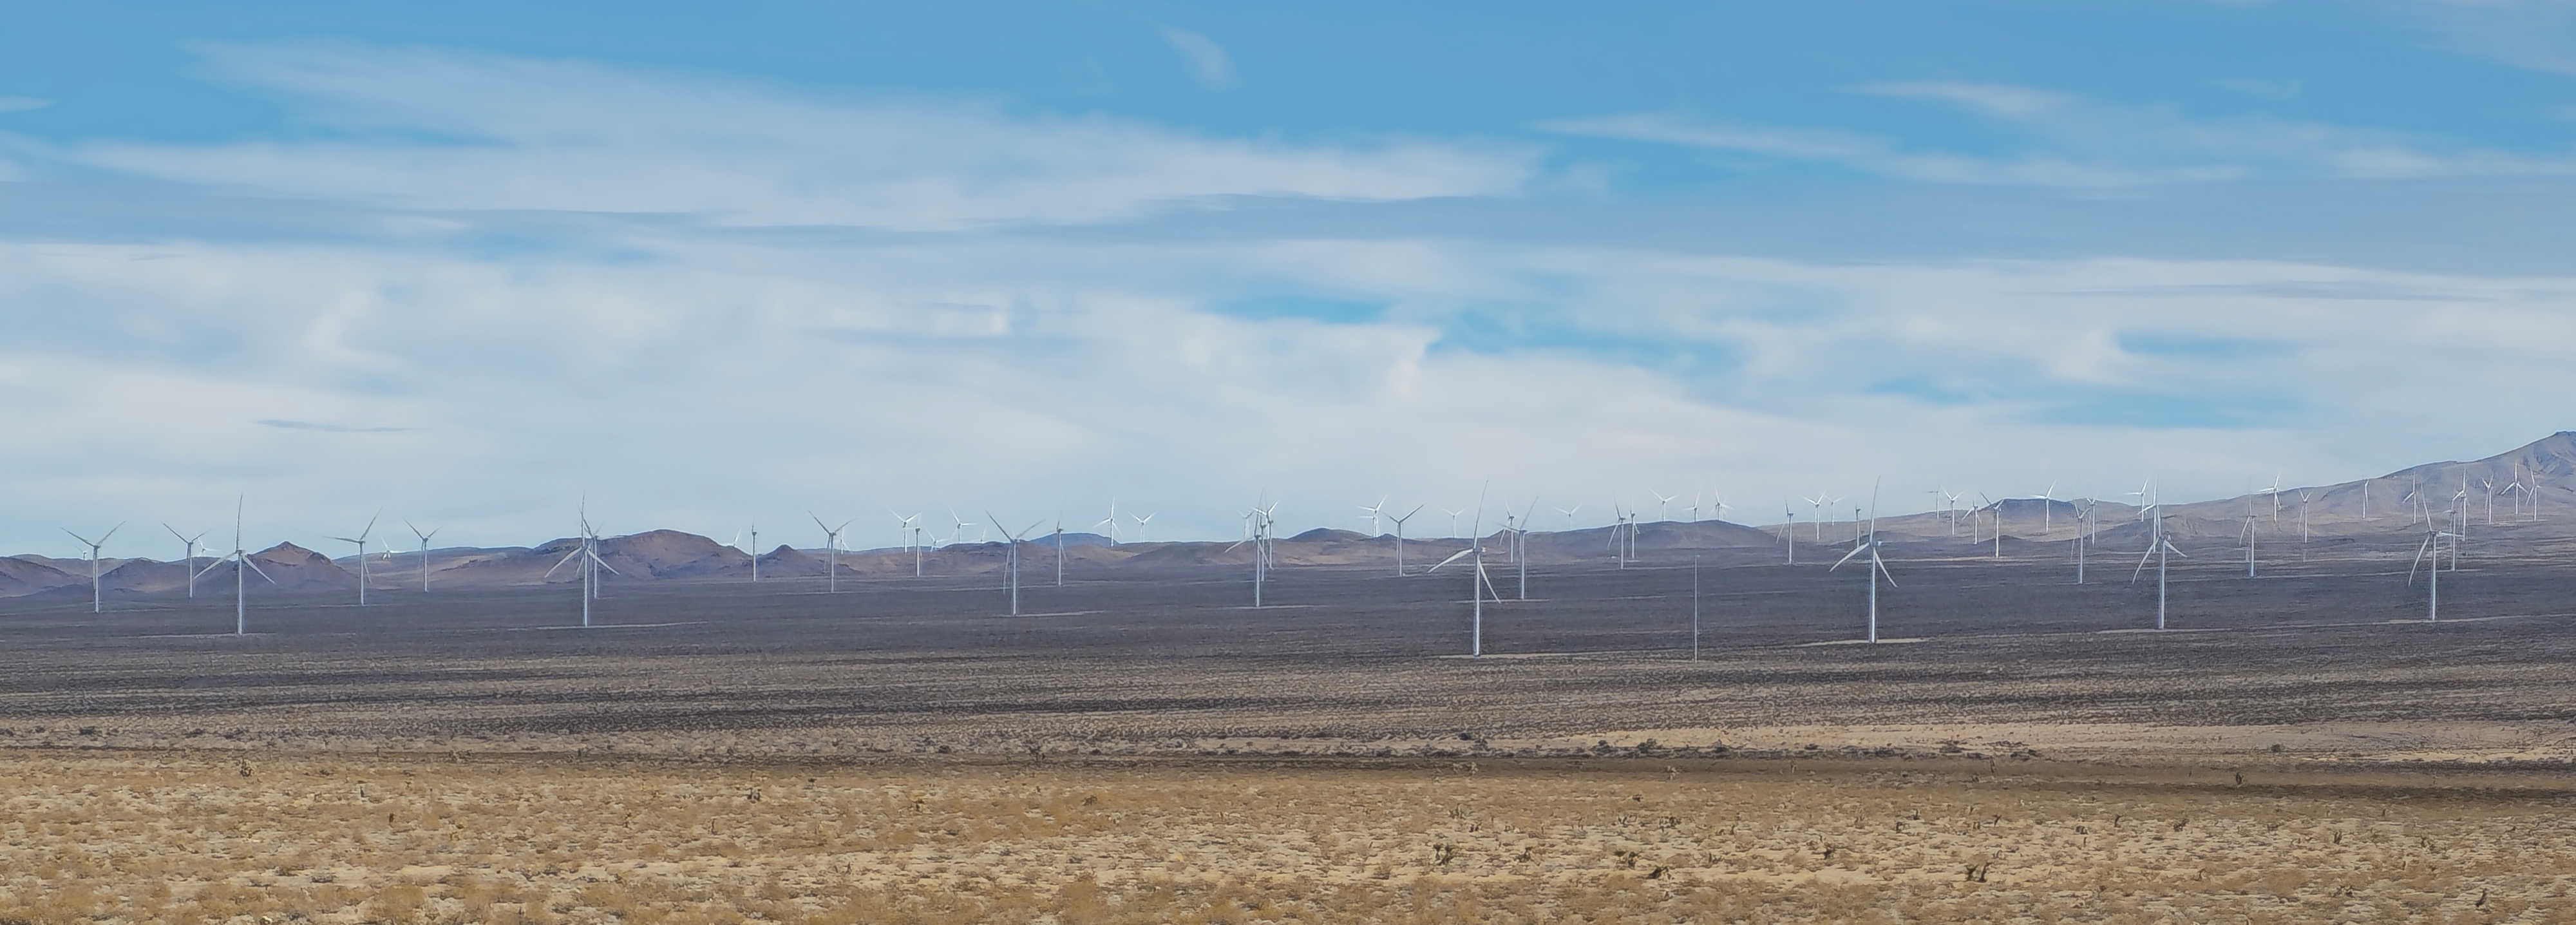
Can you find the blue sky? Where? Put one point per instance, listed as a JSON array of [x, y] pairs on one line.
[[711, 265]]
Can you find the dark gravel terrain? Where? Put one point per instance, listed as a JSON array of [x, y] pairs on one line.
[[1179, 660]]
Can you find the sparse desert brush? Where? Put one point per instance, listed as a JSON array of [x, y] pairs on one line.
[[107, 840]]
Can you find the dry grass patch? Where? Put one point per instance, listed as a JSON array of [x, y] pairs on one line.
[[354, 839]]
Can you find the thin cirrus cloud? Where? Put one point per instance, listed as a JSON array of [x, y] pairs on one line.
[[1207, 60], [2070, 141], [440, 130]]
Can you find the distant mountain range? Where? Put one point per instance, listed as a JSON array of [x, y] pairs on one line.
[[2527, 492]]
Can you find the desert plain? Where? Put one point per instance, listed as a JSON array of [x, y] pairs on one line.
[[2296, 747]]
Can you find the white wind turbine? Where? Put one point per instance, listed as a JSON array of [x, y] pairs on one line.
[[1059, 550], [1718, 506], [1567, 511], [1014, 540], [2247, 535], [361, 541], [1950, 504], [2433, 546], [1819, 502], [424, 553], [1372, 510], [2048, 510], [1453, 521], [1663, 506], [1789, 529], [1258, 524], [1877, 567], [586, 552], [1479, 585], [1110, 521], [1520, 547], [2490, 486], [832, 551], [191, 542], [1399, 537], [755, 553], [2514, 491], [96, 599], [241, 579], [2275, 491], [2157, 548], [1140, 525]]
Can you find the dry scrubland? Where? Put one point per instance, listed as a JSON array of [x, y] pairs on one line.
[[1149, 751], [104, 837]]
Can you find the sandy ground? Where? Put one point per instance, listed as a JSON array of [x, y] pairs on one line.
[[102, 836]]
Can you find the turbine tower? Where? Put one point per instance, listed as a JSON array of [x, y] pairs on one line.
[[96, 601], [1013, 557], [1479, 585], [361, 540], [1399, 537], [1373, 510], [2433, 547], [586, 549], [191, 542], [2157, 548], [1877, 567], [242, 568], [424, 552], [832, 551]]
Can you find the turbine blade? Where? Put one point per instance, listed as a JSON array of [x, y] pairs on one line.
[[559, 564], [1461, 554]]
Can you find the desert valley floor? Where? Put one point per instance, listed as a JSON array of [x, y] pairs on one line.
[[2296, 747]]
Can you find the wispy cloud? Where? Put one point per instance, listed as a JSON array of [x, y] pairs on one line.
[[452, 131], [22, 103], [2074, 142], [331, 428], [1207, 59]]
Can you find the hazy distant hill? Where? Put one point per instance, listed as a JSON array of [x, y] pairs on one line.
[[2532, 489]]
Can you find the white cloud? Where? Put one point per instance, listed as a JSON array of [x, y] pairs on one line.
[[22, 103], [1206, 58], [718, 381], [435, 130], [2080, 143]]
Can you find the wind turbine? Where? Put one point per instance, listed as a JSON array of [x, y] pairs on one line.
[[1996, 509], [1479, 585], [2157, 548], [1877, 567], [241, 579], [1111, 521], [1015, 539], [1453, 520], [1399, 537], [1372, 511], [832, 550], [96, 600], [1521, 550], [191, 542], [1718, 503], [2433, 546], [2048, 510], [2083, 514], [1950, 501], [1819, 502], [587, 551], [755, 553], [1140, 525], [1567, 511], [1257, 526], [2276, 499], [424, 554], [1663, 506], [1789, 529], [2247, 535], [361, 541]]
